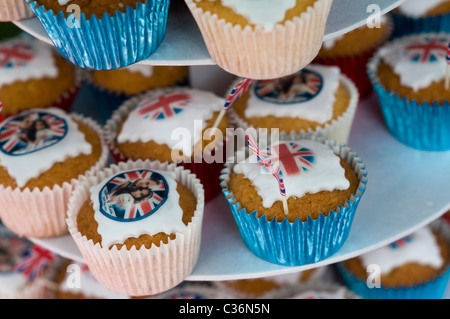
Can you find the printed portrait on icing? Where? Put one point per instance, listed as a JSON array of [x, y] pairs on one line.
[[30, 132], [133, 195], [296, 88]]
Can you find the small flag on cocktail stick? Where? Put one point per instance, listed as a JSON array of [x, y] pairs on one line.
[[447, 75], [235, 94], [276, 171]]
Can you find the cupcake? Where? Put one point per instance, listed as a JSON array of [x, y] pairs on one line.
[[43, 155], [75, 281], [414, 267], [351, 52], [408, 75], [112, 87], [138, 225], [324, 182], [103, 35], [14, 10], [262, 39], [25, 268], [258, 287], [417, 16], [33, 75], [318, 99], [173, 125]]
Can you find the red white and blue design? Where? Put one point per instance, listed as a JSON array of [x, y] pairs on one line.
[[427, 49], [164, 107], [447, 57], [237, 92], [30, 132], [302, 86], [15, 55], [401, 242], [35, 261], [133, 195], [264, 159], [293, 158]]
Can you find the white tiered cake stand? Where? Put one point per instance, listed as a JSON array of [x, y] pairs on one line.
[[407, 188]]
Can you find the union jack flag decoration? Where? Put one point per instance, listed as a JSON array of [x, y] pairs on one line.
[[237, 92], [34, 261], [133, 195], [293, 158], [401, 242], [274, 169], [427, 50], [164, 106], [297, 88], [19, 54], [18, 135], [447, 57]]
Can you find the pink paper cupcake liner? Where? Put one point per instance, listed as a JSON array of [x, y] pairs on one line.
[[258, 54], [140, 272], [42, 213], [14, 10]]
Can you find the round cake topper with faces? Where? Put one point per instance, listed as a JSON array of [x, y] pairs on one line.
[[300, 87], [133, 195], [30, 132]]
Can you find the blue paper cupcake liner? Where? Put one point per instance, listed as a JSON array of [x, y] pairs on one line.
[[109, 42], [432, 289], [404, 25], [420, 126], [300, 242]]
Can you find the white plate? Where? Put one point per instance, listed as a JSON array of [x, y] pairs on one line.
[[407, 189], [184, 45]]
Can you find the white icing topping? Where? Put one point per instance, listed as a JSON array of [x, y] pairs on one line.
[[167, 218], [143, 69], [330, 43], [88, 286], [36, 158], [63, 2], [196, 107], [326, 173], [263, 12], [24, 59], [319, 108], [12, 283], [418, 8], [420, 248], [417, 60]]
